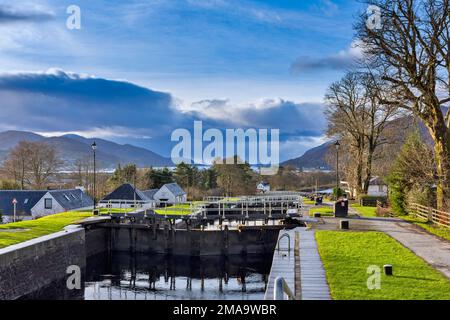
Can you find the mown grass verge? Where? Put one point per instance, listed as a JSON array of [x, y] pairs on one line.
[[365, 211], [324, 211], [347, 255]]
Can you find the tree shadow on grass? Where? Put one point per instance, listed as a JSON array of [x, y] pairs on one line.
[[415, 278]]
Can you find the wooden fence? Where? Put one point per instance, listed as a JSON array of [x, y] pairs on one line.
[[438, 217]]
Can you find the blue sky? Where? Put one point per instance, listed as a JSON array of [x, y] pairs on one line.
[[139, 69]]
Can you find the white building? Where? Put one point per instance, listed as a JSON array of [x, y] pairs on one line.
[[263, 187], [377, 188], [32, 204], [170, 193]]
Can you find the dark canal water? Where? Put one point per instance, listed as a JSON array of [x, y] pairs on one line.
[[156, 277]]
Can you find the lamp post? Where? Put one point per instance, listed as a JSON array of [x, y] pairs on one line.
[[337, 145], [94, 147]]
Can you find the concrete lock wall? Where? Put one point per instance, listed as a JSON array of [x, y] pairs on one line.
[[38, 268], [192, 242], [29, 267]]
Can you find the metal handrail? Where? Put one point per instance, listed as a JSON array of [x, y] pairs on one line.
[[289, 241], [281, 288]]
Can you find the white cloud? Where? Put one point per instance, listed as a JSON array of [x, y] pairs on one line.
[[102, 132]]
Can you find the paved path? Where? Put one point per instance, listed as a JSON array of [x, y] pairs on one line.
[[313, 280], [432, 249], [301, 267]]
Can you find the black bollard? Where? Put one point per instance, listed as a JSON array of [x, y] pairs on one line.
[[388, 269], [345, 225], [317, 215]]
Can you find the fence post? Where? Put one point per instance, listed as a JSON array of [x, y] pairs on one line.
[[430, 215]]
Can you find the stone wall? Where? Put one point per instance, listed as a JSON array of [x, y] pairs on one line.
[[34, 265]]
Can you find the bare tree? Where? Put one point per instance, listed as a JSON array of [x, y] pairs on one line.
[[410, 52], [355, 114], [43, 162], [16, 165]]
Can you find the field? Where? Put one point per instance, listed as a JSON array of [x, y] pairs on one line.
[[347, 255]]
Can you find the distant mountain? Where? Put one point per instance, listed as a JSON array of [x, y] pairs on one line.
[[313, 158], [73, 147]]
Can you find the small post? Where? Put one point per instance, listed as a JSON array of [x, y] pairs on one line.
[[344, 224], [388, 269], [15, 209]]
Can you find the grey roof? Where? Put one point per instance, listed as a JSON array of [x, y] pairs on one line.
[[27, 199], [150, 193], [377, 181], [126, 192], [72, 199], [175, 189]]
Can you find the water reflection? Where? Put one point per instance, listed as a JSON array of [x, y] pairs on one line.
[[125, 276]]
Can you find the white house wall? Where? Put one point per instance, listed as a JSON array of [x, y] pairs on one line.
[[165, 193], [377, 191], [39, 209]]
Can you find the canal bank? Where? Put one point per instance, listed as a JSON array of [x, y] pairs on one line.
[[38, 268]]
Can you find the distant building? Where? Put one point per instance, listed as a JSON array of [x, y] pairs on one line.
[[32, 204], [127, 196], [263, 187], [170, 193], [377, 187]]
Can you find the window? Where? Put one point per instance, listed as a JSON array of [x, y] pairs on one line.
[[26, 201], [67, 198], [48, 203]]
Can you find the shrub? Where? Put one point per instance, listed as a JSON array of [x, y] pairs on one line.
[[371, 201], [338, 192], [397, 198]]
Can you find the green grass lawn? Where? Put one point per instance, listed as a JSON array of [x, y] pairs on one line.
[[178, 209], [365, 211], [346, 256], [437, 230], [17, 232], [307, 201], [324, 211]]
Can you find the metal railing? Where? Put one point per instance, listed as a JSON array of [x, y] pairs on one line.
[[281, 289], [289, 241]]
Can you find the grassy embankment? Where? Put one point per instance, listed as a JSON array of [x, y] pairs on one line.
[[17, 232], [437, 230], [347, 255]]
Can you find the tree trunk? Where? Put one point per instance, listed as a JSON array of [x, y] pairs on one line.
[[359, 168], [368, 170], [441, 137], [442, 156]]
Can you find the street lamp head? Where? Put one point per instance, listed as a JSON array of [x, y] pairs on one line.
[[94, 146], [337, 144]]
